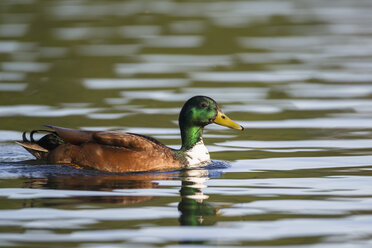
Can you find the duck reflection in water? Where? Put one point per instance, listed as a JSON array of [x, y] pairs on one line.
[[100, 182], [192, 206]]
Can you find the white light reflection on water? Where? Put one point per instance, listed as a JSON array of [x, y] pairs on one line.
[[25, 66], [328, 123], [12, 86], [186, 93], [133, 83], [328, 91], [264, 77], [282, 76], [108, 50], [327, 186], [158, 68], [174, 41], [339, 143], [81, 33], [321, 207], [212, 60], [292, 163], [303, 42], [14, 193], [11, 76], [355, 227], [95, 214], [325, 104], [14, 46], [7, 135], [41, 110]]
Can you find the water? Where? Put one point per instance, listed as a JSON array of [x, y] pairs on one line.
[[296, 74]]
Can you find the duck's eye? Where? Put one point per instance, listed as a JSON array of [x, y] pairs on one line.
[[203, 105]]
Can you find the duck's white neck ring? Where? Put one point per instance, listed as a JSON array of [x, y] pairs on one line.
[[197, 155]]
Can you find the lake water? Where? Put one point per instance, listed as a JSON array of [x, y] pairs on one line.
[[296, 73]]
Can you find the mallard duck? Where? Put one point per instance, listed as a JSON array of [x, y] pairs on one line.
[[112, 151]]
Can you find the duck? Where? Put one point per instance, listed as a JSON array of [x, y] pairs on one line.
[[125, 152]]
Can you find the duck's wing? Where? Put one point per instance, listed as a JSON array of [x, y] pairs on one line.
[[122, 139], [119, 139], [73, 136]]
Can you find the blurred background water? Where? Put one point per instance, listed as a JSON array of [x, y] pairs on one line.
[[296, 73]]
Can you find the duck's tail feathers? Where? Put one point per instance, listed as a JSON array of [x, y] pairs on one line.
[[36, 150], [40, 148]]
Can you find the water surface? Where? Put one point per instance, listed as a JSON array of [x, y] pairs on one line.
[[296, 74]]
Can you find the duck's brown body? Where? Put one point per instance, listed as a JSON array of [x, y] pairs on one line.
[[109, 151]]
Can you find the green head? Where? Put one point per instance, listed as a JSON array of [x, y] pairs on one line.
[[198, 112]]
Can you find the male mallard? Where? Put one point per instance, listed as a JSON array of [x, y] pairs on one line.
[[128, 152]]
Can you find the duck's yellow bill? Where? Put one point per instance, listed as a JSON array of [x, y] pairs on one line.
[[223, 120]]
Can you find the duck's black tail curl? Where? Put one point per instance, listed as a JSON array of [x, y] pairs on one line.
[[40, 148]]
